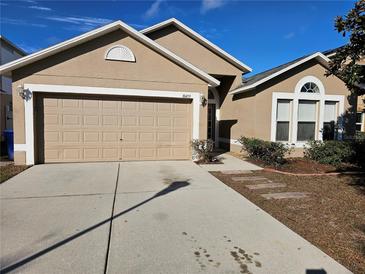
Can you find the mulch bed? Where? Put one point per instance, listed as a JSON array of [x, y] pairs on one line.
[[8, 171], [306, 166], [332, 218]]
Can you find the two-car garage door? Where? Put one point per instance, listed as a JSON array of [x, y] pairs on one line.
[[107, 128]]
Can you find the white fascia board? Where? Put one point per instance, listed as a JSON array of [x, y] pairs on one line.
[[318, 55], [200, 39], [100, 31]]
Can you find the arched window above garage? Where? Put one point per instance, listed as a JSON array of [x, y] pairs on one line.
[[120, 53]]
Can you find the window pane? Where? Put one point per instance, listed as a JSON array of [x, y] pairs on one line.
[[329, 130], [282, 131], [283, 110], [307, 111], [358, 117], [330, 111], [306, 131], [358, 127]]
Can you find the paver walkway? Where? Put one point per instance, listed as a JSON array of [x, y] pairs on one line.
[[265, 185], [262, 182]]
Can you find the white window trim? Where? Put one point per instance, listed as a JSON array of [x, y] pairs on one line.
[[295, 97], [29, 145], [362, 121]]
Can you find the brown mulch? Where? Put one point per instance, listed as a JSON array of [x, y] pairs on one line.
[[8, 171], [306, 166], [333, 218]]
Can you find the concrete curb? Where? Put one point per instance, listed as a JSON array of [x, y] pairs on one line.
[[313, 174]]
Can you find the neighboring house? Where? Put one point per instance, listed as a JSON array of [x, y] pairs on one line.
[[8, 52], [118, 94]]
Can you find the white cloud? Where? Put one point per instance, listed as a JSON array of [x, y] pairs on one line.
[[211, 4], [40, 8], [153, 10], [80, 20], [30, 1], [20, 22], [138, 26], [80, 23], [289, 35]]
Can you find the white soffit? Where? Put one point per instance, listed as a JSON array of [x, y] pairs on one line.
[[8, 67], [318, 55], [220, 52]]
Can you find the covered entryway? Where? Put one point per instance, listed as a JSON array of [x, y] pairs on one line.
[[81, 128]]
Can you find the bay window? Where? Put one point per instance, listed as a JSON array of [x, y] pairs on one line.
[[307, 114]]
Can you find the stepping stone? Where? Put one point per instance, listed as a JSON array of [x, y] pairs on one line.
[[285, 195], [236, 172], [249, 179], [263, 186]]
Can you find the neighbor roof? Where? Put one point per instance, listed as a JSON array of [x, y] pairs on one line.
[[11, 44], [267, 75], [196, 36], [99, 32]]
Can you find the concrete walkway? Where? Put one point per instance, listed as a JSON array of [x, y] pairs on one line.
[[230, 163], [143, 217]]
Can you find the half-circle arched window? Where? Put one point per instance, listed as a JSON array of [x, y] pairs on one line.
[[120, 53], [310, 87]]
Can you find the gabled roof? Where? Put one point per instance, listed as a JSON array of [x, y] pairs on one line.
[[11, 44], [267, 75], [196, 36], [99, 32]]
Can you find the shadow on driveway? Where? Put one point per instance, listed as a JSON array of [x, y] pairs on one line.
[[172, 187]]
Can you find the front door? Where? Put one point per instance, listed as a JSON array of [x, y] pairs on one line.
[[211, 122]]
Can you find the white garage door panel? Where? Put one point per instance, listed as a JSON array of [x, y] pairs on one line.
[[110, 129]]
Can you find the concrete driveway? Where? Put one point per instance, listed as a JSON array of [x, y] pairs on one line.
[[142, 217]]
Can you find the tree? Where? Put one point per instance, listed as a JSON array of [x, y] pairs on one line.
[[345, 62]]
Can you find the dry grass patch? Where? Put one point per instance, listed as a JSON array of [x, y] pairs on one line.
[[8, 171]]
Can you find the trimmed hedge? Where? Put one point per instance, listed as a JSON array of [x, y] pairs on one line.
[[329, 152], [337, 152], [271, 153]]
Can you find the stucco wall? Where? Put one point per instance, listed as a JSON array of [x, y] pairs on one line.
[[84, 65], [195, 53], [250, 112]]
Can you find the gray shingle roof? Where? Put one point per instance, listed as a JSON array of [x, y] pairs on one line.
[[257, 77]]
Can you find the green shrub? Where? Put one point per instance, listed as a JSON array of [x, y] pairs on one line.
[[271, 153], [329, 152], [202, 150], [358, 146]]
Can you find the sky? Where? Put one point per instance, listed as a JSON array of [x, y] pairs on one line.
[[261, 34]]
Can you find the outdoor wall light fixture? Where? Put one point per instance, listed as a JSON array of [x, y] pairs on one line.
[[203, 100], [24, 93]]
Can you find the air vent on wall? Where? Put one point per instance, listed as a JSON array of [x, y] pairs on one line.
[[120, 53]]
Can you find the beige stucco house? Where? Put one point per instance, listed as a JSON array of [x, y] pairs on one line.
[[118, 94]]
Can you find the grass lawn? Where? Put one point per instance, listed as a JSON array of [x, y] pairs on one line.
[[8, 171], [332, 217]]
